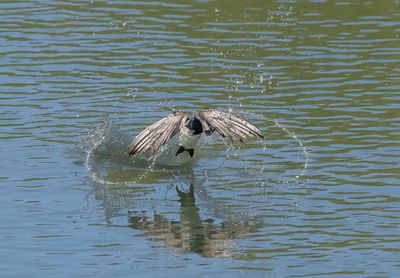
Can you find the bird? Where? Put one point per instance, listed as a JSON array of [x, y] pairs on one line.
[[188, 131]]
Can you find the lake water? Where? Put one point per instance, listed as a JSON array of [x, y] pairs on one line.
[[319, 196]]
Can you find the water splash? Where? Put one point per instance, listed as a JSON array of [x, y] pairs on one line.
[[107, 161], [105, 148], [291, 134], [299, 142]]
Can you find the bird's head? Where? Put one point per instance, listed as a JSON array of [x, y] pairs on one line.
[[194, 125]]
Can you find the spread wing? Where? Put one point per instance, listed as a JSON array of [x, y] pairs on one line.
[[227, 125], [158, 134]]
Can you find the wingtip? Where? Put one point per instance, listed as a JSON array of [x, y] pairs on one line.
[[131, 150]]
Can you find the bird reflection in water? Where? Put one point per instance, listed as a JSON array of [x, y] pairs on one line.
[[191, 234]]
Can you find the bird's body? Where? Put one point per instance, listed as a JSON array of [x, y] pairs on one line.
[[182, 143], [175, 139]]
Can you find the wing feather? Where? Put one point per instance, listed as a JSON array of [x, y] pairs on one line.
[[227, 125], [157, 134]]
